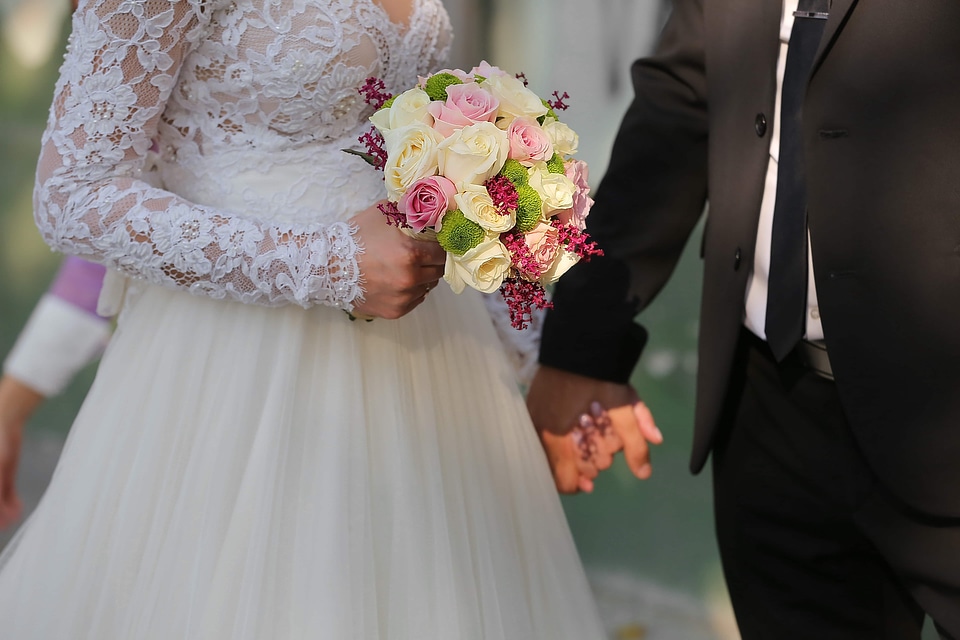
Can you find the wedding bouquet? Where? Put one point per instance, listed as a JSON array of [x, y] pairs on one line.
[[485, 164]]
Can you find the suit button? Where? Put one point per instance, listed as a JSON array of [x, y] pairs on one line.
[[760, 125], [736, 259]]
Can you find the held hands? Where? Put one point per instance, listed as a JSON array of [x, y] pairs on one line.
[[396, 270], [580, 436]]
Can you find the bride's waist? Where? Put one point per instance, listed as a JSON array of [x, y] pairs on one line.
[[311, 183]]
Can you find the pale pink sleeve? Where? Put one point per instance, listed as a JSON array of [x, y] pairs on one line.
[[79, 282]]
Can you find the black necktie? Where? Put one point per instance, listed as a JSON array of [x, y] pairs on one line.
[[787, 284]]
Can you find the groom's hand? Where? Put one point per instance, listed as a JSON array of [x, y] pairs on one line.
[[556, 401]]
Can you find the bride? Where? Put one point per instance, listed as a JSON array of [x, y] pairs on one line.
[[250, 462]]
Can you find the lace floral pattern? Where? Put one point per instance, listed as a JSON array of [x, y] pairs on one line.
[[224, 92]]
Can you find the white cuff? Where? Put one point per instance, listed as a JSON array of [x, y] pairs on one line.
[[58, 340]]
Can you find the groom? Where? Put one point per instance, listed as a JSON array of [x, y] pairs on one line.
[[825, 137]]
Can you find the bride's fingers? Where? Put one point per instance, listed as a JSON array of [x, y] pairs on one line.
[[430, 273], [429, 253], [611, 442], [647, 426], [586, 440], [596, 449]]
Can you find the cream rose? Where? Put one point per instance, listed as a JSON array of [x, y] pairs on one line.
[[477, 205], [473, 154], [515, 99], [565, 140], [556, 190], [561, 264], [484, 267], [411, 155], [408, 108]]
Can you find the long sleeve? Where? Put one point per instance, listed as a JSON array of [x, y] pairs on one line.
[[90, 200], [646, 207]]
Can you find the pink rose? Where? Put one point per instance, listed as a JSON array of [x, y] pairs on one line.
[[578, 173], [543, 242], [466, 104], [487, 70], [426, 201], [528, 142]]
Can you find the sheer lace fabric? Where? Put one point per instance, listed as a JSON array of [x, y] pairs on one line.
[[214, 95]]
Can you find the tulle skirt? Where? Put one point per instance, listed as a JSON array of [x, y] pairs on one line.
[[240, 473]]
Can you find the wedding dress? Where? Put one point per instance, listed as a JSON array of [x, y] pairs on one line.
[[250, 463]]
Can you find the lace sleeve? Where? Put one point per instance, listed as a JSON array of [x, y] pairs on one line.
[[121, 66]]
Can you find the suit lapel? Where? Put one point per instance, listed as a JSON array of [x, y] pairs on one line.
[[838, 14]]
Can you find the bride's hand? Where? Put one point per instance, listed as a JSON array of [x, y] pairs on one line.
[[396, 270]]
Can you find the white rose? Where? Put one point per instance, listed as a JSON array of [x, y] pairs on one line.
[[515, 99], [473, 154], [561, 264], [555, 189], [565, 140], [411, 155], [408, 108], [484, 267], [477, 205]]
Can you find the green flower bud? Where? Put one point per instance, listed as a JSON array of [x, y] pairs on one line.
[[555, 164], [529, 208], [457, 234], [437, 85], [515, 173]]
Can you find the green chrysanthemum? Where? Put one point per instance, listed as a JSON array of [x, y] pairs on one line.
[[388, 103], [437, 85], [555, 164], [529, 208], [457, 234], [515, 173]]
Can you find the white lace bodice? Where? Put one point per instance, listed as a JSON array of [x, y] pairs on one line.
[[242, 107]]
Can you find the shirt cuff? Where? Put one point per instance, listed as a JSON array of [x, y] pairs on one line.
[[58, 340]]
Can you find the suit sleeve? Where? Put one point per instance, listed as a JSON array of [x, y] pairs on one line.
[[646, 207]]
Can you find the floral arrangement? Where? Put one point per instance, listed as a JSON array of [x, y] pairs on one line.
[[481, 161]]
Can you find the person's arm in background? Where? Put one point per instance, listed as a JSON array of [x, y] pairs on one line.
[[63, 335], [646, 207]]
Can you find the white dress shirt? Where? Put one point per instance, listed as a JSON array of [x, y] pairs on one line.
[[756, 299]]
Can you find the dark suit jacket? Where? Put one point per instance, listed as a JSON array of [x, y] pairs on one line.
[[882, 151]]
